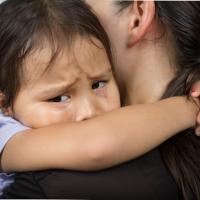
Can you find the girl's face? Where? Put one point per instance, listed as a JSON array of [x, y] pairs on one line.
[[77, 86]]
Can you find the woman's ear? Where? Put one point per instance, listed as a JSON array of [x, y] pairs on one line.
[[7, 111], [141, 16]]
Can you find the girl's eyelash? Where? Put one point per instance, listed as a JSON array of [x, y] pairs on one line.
[[61, 98], [99, 84]]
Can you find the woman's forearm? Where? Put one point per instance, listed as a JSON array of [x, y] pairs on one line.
[[100, 142]]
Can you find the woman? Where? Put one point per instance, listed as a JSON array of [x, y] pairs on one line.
[[168, 50], [138, 32]]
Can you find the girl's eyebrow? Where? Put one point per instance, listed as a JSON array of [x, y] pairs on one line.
[[56, 88], [100, 73]]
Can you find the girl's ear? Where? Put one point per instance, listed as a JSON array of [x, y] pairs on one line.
[[2, 99], [141, 16], [6, 111]]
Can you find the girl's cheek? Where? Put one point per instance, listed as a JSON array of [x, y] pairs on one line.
[[112, 99], [102, 92]]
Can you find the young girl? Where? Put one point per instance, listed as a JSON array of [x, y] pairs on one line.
[[55, 67]]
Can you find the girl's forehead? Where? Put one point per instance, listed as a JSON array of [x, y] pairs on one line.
[[86, 56]]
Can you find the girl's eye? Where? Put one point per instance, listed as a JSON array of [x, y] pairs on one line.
[[58, 99], [99, 84]]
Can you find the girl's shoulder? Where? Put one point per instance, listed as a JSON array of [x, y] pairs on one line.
[[8, 128]]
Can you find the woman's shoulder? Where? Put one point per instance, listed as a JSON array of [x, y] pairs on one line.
[[143, 178]]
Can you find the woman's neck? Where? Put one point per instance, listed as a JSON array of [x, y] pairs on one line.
[[148, 81]]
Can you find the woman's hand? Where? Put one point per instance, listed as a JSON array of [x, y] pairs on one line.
[[195, 93]]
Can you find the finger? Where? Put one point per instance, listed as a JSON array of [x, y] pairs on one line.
[[198, 119], [195, 94], [197, 131], [195, 90]]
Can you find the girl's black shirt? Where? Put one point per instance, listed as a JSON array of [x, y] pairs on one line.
[[145, 178]]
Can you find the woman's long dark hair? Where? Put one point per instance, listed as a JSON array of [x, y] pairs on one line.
[[182, 152]]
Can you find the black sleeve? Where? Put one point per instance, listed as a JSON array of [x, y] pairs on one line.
[[145, 178]]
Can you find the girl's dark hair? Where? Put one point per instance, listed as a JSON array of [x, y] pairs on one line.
[[181, 153], [28, 24]]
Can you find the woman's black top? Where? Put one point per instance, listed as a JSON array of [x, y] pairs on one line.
[[145, 178]]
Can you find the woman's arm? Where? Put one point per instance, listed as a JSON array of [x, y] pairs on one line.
[[100, 142]]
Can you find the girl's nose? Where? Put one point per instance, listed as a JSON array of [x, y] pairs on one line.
[[88, 109]]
